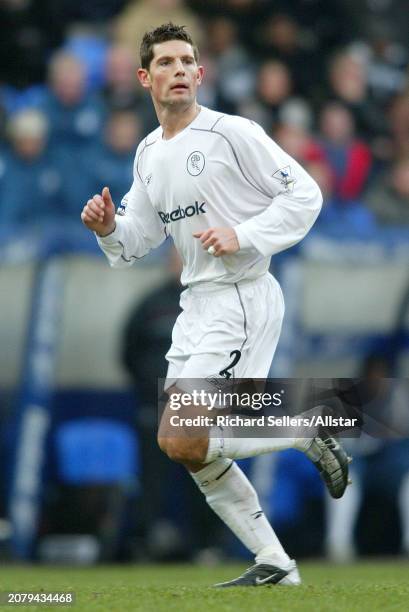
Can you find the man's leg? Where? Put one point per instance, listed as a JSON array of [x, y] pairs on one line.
[[325, 452], [228, 491], [233, 498]]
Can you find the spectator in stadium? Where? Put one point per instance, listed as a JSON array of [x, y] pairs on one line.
[[380, 470], [338, 216], [348, 84], [245, 14], [274, 86], [298, 143], [388, 196], [280, 37], [361, 15], [387, 61], [399, 125], [294, 134], [92, 11], [29, 31], [349, 157], [140, 15], [89, 47], [232, 64], [120, 91], [31, 182], [75, 116], [113, 159]]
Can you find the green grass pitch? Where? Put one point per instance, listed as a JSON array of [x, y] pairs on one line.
[[363, 587]]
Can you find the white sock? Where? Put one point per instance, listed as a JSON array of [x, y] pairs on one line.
[[223, 444], [231, 495]]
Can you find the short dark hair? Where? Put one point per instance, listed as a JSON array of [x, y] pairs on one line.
[[163, 33]]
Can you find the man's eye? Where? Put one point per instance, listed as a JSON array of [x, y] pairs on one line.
[[164, 63]]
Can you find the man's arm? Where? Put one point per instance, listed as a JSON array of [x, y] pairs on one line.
[[295, 198], [127, 236]]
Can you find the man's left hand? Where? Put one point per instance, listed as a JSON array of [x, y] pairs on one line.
[[222, 239]]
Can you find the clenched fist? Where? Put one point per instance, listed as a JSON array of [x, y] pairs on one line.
[[223, 240], [98, 214]]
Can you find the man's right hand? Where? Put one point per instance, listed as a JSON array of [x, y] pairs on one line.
[[98, 214]]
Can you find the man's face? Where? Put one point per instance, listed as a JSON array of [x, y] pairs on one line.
[[173, 76]]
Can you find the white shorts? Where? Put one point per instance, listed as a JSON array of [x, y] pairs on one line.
[[234, 328]]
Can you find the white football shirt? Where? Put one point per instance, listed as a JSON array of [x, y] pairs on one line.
[[221, 170]]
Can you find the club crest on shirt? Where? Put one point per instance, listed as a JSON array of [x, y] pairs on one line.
[[122, 206], [285, 177], [195, 163]]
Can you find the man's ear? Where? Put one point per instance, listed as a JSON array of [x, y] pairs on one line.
[[144, 78], [200, 74]]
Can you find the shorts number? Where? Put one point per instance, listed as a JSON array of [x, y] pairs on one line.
[[236, 358]]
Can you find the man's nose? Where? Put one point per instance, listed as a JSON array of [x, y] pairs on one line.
[[180, 69]]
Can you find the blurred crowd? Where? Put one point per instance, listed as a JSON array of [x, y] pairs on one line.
[[329, 81]]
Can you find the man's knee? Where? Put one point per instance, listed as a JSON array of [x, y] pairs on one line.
[[184, 450]]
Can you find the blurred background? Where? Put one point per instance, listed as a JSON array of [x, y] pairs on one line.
[[82, 346]]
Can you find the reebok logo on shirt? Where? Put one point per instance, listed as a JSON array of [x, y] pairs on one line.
[[181, 213]]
